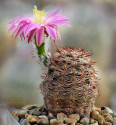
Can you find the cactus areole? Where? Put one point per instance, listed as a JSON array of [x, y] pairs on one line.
[[70, 84]]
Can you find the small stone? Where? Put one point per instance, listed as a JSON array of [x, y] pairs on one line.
[[22, 112], [93, 121], [108, 118], [50, 114], [50, 117], [29, 107], [96, 109], [75, 116], [101, 120], [84, 121], [107, 123], [30, 111], [94, 115], [24, 122], [54, 122], [106, 110], [70, 121], [43, 121], [33, 120], [14, 112], [42, 116], [82, 116], [78, 124], [29, 117], [45, 113], [36, 113], [61, 116]]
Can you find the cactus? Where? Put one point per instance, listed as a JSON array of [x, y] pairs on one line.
[[70, 83]]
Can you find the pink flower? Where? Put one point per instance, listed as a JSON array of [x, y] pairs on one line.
[[38, 26]]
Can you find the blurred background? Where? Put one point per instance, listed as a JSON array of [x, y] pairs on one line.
[[93, 28]]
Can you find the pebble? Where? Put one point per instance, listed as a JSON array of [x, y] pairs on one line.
[[50, 117], [43, 121], [55, 122], [84, 121], [50, 114], [29, 107], [107, 123], [42, 116], [33, 120], [61, 116], [106, 110], [94, 115], [101, 120], [93, 121], [108, 118], [75, 116], [70, 121], [36, 113], [96, 109], [22, 112], [24, 122]]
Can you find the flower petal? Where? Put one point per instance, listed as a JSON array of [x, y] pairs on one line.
[[51, 31], [30, 27], [39, 36], [20, 30], [59, 22], [31, 35], [51, 14]]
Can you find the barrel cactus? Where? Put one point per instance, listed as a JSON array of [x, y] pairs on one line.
[[70, 83]]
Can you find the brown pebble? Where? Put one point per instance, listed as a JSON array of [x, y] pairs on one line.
[[101, 120], [50, 114], [70, 121], [43, 121], [33, 120], [29, 107], [108, 118], [22, 112], [93, 121], [14, 112], [55, 122], [29, 117], [42, 116], [94, 115], [84, 121], [107, 123], [75, 116], [61, 116]]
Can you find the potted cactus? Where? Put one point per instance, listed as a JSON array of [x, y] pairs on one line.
[[70, 82]]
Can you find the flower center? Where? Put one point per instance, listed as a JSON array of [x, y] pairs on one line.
[[38, 15]]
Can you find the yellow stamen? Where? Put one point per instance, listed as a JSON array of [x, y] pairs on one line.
[[38, 15]]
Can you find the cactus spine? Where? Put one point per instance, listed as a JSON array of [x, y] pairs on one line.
[[70, 84]]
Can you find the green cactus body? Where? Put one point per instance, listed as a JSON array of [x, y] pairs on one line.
[[70, 84]]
